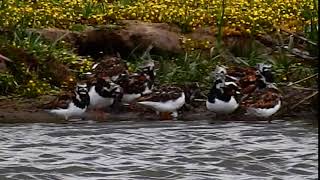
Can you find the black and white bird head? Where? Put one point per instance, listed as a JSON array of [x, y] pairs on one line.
[[148, 65], [148, 68], [220, 72], [261, 81], [262, 67], [220, 69], [219, 80], [81, 89], [116, 91], [82, 92], [106, 88], [108, 85], [264, 81], [266, 71]]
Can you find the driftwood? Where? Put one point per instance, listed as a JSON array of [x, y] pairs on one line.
[[299, 53], [303, 100], [5, 58], [304, 79], [297, 36], [304, 88], [276, 45]]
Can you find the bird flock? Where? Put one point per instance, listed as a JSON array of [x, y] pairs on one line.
[[248, 88]]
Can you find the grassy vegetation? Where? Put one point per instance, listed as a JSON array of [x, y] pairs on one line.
[[30, 76], [34, 60]]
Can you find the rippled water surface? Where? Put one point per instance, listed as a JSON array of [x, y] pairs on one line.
[[159, 150]]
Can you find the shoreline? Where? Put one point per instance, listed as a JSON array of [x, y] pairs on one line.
[[28, 111], [44, 117]]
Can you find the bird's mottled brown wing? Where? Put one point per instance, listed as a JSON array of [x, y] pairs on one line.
[[247, 80], [237, 71], [248, 89], [266, 98], [164, 93], [62, 101], [247, 77], [110, 66]]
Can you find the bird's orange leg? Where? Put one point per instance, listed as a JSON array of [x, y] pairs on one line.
[[165, 116], [102, 115]]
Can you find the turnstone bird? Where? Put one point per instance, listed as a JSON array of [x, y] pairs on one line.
[[137, 84], [222, 96], [72, 104], [103, 93], [165, 101], [263, 102], [266, 99]]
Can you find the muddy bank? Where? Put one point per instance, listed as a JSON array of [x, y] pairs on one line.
[[40, 116], [29, 111]]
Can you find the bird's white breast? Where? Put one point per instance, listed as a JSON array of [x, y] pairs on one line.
[[71, 111], [264, 112], [98, 101], [222, 107]]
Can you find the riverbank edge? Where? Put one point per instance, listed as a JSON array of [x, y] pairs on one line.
[[29, 111]]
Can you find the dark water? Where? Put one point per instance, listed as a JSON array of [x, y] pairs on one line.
[[159, 150]]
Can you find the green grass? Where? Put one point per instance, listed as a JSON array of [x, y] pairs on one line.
[[31, 72]]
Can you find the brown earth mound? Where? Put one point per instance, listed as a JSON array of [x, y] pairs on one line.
[[131, 36], [126, 37]]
